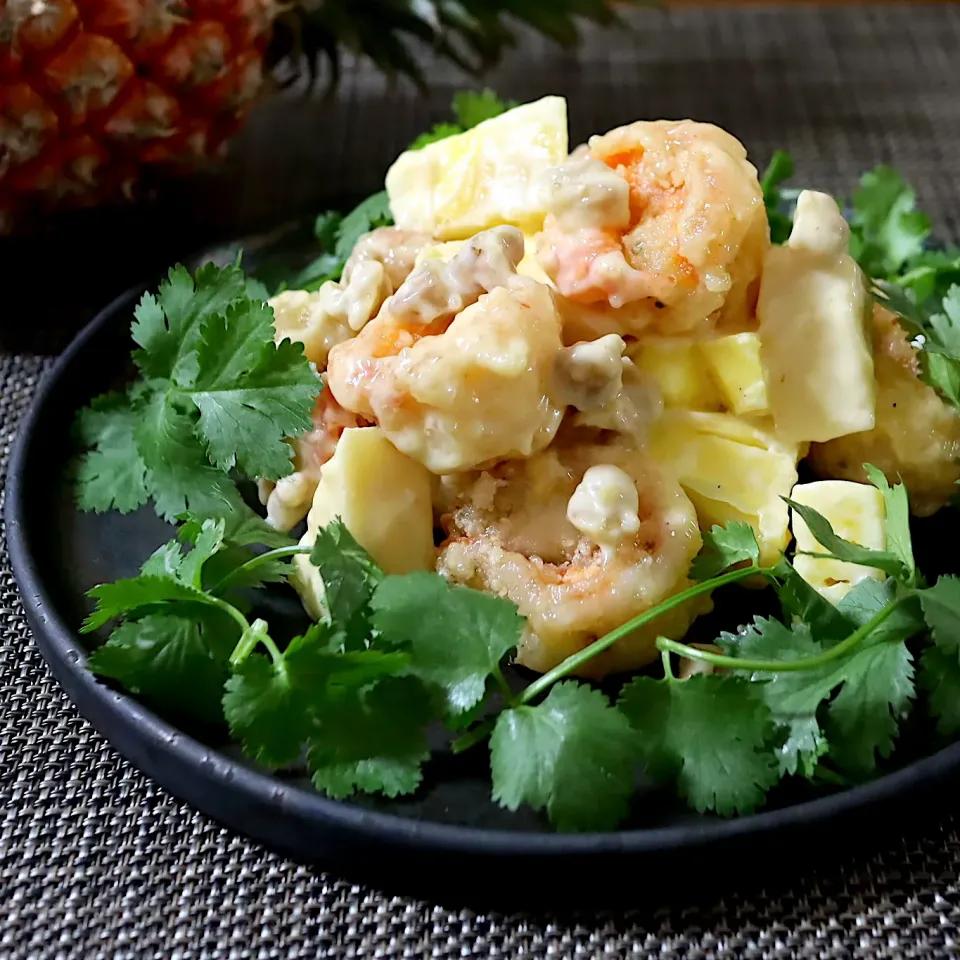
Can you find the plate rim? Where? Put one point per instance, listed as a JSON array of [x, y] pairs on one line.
[[63, 650]]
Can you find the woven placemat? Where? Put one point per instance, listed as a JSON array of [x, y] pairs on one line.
[[96, 861]]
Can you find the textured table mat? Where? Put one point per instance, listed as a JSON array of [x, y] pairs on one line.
[[96, 861]]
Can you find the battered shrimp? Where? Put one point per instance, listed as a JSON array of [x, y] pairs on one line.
[[457, 368], [288, 500], [658, 225], [582, 538], [916, 436], [378, 265]]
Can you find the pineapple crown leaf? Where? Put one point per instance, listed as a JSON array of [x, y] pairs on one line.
[[394, 34]]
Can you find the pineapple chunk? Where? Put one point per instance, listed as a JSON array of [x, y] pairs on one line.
[[383, 497], [814, 314], [486, 176], [735, 364], [730, 470], [856, 512], [680, 370]]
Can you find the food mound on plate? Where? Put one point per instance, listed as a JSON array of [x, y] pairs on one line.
[[559, 368]]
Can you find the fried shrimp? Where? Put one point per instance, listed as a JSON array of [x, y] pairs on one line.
[[916, 437], [288, 500], [378, 265], [582, 538], [655, 226], [457, 368]]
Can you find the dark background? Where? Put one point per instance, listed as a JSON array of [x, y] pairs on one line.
[[96, 861]]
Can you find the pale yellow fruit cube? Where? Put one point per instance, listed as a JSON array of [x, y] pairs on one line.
[[487, 176], [857, 513], [681, 372], [734, 362], [814, 328], [731, 470], [385, 500]]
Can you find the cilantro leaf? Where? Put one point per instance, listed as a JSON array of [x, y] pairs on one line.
[[167, 327], [167, 576], [875, 696], [939, 676], [778, 170], [349, 576], [878, 680], [930, 274], [712, 734], [875, 680], [126, 597], [208, 542], [725, 547], [269, 704], [179, 476], [251, 392], [940, 663], [206, 345], [573, 755], [471, 107], [897, 507], [241, 526], [111, 475], [946, 325], [792, 697], [372, 739], [266, 712], [869, 597], [177, 660], [802, 603], [456, 636], [841, 549], [325, 228], [941, 610], [366, 216], [886, 227], [439, 131], [937, 334]]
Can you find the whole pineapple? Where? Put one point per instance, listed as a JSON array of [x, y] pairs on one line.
[[95, 95]]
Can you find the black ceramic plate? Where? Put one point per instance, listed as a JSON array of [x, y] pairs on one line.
[[448, 838]]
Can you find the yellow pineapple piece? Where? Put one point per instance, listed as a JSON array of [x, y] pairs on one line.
[[680, 370], [385, 500], [734, 362], [814, 328], [857, 513], [486, 176], [731, 470]]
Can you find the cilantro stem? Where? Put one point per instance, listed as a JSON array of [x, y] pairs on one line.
[[473, 737], [576, 660], [275, 655], [667, 666], [780, 666], [502, 682], [230, 610], [277, 554]]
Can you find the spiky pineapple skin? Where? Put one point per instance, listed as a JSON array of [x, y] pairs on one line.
[[95, 95]]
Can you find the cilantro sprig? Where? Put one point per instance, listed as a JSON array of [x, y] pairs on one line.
[[215, 394], [818, 694]]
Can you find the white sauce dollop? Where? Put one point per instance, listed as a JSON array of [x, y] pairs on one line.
[[605, 507]]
